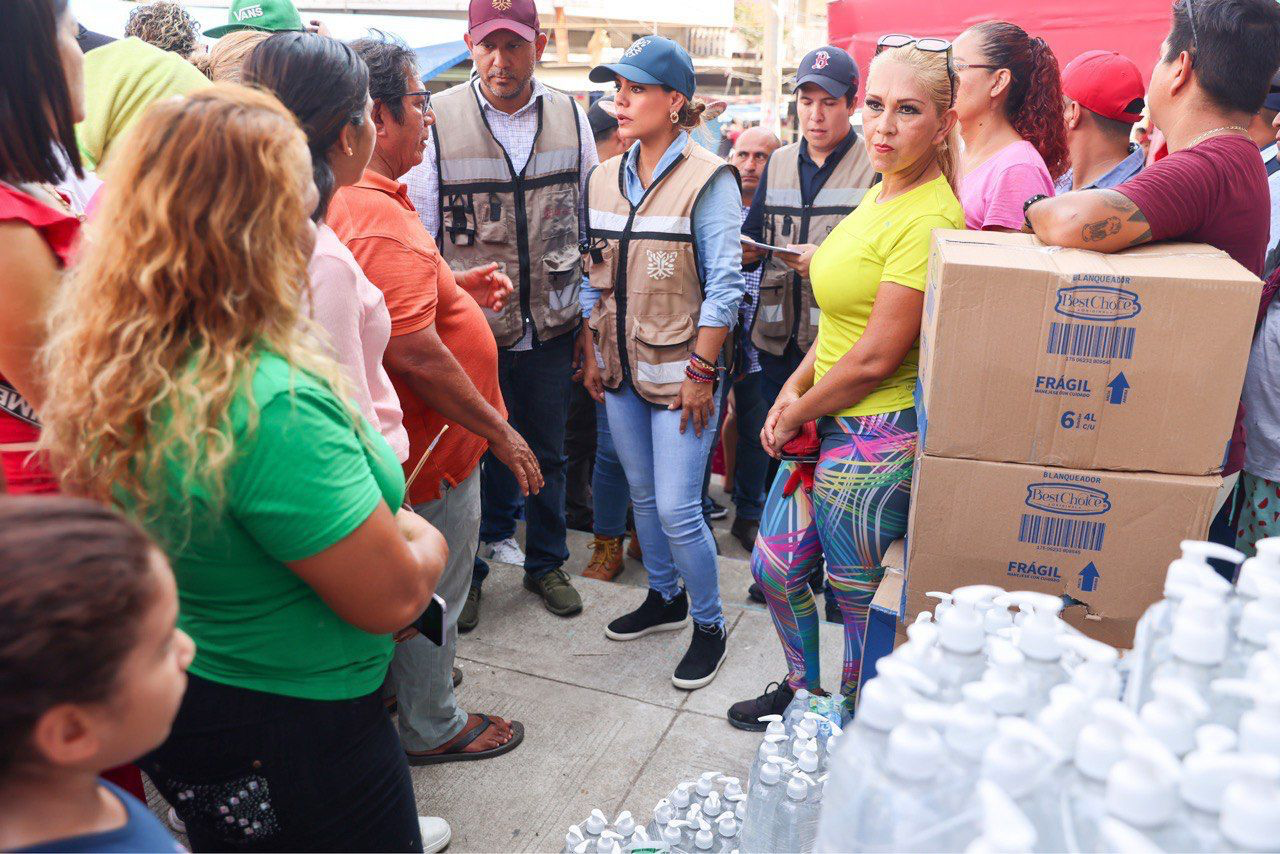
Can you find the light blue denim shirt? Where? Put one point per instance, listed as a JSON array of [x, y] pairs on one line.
[[717, 220]]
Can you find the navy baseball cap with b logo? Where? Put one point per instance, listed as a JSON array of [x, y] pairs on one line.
[[653, 60], [828, 67]]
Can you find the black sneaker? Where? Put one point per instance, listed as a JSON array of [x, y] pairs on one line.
[[654, 615], [718, 510], [744, 531], [701, 663], [774, 701], [756, 594], [831, 608]]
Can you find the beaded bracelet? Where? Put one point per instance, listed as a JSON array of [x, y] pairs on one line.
[[698, 376], [701, 362]]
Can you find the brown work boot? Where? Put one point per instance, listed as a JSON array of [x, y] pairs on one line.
[[606, 563]]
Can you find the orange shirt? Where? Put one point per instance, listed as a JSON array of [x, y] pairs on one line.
[[378, 223]]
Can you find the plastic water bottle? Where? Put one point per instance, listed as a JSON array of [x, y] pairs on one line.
[[726, 834], [1174, 712], [673, 835], [732, 787], [967, 728], [663, 814], [595, 825], [961, 639], [1024, 762], [610, 842], [772, 745], [795, 710], [1260, 726], [1099, 747], [1117, 836], [1250, 819], [1264, 564], [1205, 777], [1005, 830], [573, 839], [758, 835], [1142, 791], [1198, 641], [1259, 617], [681, 797], [1095, 674], [1007, 673], [1150, 644], [1066, 715], [921, 651], [624, 825], [797, 818], [1040, 640]]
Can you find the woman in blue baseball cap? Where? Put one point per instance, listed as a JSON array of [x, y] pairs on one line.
[[666, 265]]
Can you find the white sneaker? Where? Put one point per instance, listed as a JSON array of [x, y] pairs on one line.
[[503, 551], [176, 823], [436, 833]]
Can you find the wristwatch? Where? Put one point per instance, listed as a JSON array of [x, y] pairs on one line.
[[1026, 208]]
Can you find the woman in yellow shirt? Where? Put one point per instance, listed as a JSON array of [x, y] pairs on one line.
[[857, 380]]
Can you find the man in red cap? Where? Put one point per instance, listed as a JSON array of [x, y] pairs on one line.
[[502, 184], [1103, 95]]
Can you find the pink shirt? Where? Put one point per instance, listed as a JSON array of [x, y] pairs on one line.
[[993, 194], [352, 310]]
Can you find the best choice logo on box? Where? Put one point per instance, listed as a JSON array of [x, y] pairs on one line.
[[1061, 357]]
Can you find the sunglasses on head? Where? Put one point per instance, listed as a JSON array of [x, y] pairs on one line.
[[928, 44]]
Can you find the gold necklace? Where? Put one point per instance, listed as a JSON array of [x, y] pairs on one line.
[[1209, 133]]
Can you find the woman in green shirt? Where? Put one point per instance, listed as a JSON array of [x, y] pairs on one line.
[[857, 380], [187, 387]]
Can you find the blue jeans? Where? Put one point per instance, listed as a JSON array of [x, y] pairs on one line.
[[667, 499], [609, 492], [752, 466], [535, 385]]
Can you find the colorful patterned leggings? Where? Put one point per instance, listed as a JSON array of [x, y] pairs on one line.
[[858, 507]]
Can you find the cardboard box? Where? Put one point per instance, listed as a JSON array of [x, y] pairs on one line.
[[885, 629], [1061, 357], [1104, 539]]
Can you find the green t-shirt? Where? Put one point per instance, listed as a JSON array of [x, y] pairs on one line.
[[877, 243], [299, 483]]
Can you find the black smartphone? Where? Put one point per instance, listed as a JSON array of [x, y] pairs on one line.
[[431, 624]]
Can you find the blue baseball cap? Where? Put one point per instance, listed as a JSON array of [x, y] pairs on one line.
[[829, 67], [654, 60]]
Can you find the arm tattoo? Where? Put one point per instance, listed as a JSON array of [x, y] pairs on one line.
[[1101, 229], [1129, 213]]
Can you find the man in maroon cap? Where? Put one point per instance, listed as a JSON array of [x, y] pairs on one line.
[[1103, 95], [503, 182]]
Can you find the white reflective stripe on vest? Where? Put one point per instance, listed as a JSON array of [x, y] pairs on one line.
[[784, 197], [666, 372], [556, 160], [770, 313], [461, 169], [611, 221], [833, 197], [815, 314]]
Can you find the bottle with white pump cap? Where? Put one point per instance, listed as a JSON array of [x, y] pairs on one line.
[[797, 816], [706, 786], [1260, 726], [681, 797], [1005, 830], [1116, 837], [673, 836], [1099, 747], [624, 825], [1258, 619], [726, 834], [1173, 713], [1205, 777], [921, 651], [595, 825], [1006, 671], [1189, 572], [663, 814], [573, 839], [703, 837], [1024, 762], [969, 726], [1250, 819], [945, 603], [772, 745], [610, 842], [762, 803], [641, 843], [1066, 715], [1198, 642], [1265, 665], [794, 713], [1264, 564], [1095, 674], [961, 639], [1039, 639], [1142, 791]]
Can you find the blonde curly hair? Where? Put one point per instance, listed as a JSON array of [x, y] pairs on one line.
[[225, 61], [193, 267], [166, 25]]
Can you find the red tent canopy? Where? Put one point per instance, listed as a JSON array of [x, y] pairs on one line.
[[1134, 28]]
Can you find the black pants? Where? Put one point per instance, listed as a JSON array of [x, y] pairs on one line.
[[580, 453], [250, 771]]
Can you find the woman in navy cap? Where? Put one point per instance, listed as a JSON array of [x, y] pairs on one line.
[[666, 264]]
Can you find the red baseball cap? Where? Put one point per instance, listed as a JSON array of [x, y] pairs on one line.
[[487, 16], [1106, 83]]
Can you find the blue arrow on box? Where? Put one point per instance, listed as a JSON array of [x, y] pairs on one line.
[[1118, 389], [1089, 578]]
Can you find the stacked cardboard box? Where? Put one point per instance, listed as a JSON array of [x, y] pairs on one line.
[[1074, 410]]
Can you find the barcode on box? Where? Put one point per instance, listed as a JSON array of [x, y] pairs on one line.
[[1091, 341], [1073, 534]]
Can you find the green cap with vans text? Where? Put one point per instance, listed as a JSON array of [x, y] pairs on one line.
[[271, 16]]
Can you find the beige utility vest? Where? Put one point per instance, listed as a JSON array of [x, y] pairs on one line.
[[787, 309], [643, 260], [527, 222]]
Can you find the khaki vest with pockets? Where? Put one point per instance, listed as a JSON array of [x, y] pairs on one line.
[[787, 309], [643, 260], [528, 223]]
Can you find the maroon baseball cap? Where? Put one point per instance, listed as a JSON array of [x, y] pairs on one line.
[[487, 16], [1106, 83]]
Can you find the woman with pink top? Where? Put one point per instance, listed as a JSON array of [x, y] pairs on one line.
[[1010, 106], [326, 85]]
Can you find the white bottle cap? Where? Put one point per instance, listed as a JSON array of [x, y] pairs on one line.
[[771, 773], [1005, 830], [944, 605], [680, 796], [1101, 742], [1041, 631], [712, 807], [960, 628], [704, 839], [1205, 776], [1064, 717], [1215, 738], [707, 783], [624, 824], [971, 724], [581, 847], [1251, 815], [1261, 617], [1173, 714], [1142, 788], [808, 761], [1005, 670], [1259, 727], [802, 694], [732, 787], [596, 823], [1096, 674], [807, 728], [1118, 836], [727, 825], [997, 618], [1018, 758], [672, 833], [776, 726], [573, 837], [664, 812], [1201, 628], [797, 788], [914, 746], [1264, 564], [1194, 568]]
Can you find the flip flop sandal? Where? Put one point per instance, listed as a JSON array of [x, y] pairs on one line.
[[456, 752]]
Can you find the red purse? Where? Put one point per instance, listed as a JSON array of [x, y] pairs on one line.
[[803, 449]]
